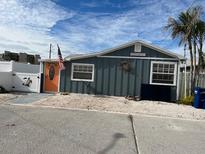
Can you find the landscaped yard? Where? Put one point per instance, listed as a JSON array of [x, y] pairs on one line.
[[122, 105], [108, 104]]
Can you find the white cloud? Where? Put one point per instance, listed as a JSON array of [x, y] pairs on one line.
[[30, 25], [144, 20], [92, 32], [32, 13], [25, 24]]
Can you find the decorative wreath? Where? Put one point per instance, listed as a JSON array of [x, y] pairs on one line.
[[51, 72], [125, 65]]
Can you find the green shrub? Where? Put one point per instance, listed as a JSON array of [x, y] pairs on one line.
[[187, 100]]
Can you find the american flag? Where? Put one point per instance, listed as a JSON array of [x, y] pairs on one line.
[[60, 59]]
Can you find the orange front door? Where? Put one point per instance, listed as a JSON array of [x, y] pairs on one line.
[[51, 77]]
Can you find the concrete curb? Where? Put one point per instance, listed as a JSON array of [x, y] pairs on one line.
[[113, 112]]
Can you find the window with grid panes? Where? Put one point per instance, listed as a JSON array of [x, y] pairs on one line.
[[82, 72], [163, 73]]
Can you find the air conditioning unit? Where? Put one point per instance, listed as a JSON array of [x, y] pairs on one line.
[[137, 47]]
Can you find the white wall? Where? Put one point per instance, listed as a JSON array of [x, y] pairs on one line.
[[6, 80], [19, 81], [25, 68], [21, 70], [5, 66], [18, 67]]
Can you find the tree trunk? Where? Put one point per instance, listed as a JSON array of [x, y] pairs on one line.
[[191, 68], [194, 68], [200, 58]]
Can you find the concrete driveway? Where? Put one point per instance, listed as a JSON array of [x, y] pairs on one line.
[[27, 98], [44, 130]]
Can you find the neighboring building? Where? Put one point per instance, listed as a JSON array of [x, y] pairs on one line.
[[134, 69], [20, 57], [188, 67]]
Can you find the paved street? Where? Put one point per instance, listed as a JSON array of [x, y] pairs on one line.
[[44, 130], [168, 136], [40, 130]]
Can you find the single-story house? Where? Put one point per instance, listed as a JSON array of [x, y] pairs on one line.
[[137, 69]]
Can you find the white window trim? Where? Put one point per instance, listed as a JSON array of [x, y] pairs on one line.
[[73, 64], [162, 62]]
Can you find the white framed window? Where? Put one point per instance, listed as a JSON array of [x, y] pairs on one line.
[[82, 72], [163, 73]]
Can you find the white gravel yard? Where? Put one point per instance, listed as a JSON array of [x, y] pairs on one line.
[[122, 105]]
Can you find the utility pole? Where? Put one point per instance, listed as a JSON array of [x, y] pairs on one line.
[[50, 51]]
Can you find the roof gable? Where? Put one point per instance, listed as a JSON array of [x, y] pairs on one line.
[[108, 51]]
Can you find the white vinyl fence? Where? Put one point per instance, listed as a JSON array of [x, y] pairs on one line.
[[16, 76], [28, 82]]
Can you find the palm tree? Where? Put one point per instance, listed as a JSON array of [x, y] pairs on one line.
[[200, 34], [180, 28], [195, 15], [188, 28]]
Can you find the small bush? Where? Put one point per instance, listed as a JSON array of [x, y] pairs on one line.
[[187, 100]]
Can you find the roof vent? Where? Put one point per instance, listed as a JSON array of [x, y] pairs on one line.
[[137, 47]]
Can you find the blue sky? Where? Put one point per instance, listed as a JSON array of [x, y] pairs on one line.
[[87, 25]]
